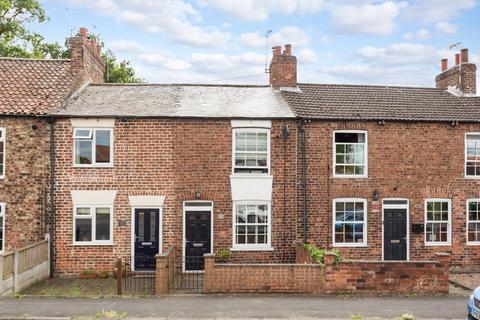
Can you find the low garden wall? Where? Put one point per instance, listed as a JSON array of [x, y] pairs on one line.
[[366, 277]]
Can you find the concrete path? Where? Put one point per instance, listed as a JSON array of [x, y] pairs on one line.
[[238, 307]]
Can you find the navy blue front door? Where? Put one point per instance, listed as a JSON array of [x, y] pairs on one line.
[[146, 238]]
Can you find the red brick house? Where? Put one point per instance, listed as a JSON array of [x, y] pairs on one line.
[[378, 172], [29, 88]]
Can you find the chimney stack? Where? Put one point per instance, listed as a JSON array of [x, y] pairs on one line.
[[86, 57], [283, 68], [461, 77]]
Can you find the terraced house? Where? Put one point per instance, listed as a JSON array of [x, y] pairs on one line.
[[382, 173]]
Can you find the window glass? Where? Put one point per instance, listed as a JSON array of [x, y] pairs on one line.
[[473, 222], [83, 230], [350, 154], [349, 222], [472, 161], [92, 146], [251, 151], [251, 227], [1, 233], [102, 146], [437, 221], [83, 152], [2, 154], [102, 224]]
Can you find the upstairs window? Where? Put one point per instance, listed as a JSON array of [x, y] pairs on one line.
[[251, 150], [93, 147], [437, 222], [473, 221], [472, 155], [350, 154], [2, 155], [93, 225]]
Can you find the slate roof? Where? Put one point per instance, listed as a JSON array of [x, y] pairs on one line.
[[32, 87], [362, 102], [176, 100]]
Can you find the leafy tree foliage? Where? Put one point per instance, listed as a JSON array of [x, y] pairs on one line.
[[119, 71]]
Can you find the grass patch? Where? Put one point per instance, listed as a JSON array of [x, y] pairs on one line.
[[74, 288], [111, 315]]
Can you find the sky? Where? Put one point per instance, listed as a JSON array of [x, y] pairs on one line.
[[223, 41]]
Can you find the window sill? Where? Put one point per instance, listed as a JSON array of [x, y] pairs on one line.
[[350, 245], [469, 243], [259, 248], [250, 175], [472, 177], [349, 177], [439, 244], [90, 244], [93, 166]]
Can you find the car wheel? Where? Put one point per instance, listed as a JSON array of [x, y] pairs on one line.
[[470, 317]]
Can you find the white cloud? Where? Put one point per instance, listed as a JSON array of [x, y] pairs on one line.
[[124, 46], [307, 56], [286, 35], [420, 35], [436, 10], [378, 19], [398, 54], [446, 27], [179, 20], [255, 10], [159, 59]]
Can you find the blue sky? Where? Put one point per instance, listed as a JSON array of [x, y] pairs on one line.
[[222, 41]]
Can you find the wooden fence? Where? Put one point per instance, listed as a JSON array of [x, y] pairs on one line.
[[24, 267]]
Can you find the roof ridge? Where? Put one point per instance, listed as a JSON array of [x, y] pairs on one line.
[[369, 86], [178, 85], [35, 59]]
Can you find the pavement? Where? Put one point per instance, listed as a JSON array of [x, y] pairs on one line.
[[237, 307]]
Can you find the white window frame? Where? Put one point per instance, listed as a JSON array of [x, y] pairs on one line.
[[252, 247], [365, 171], [449, 223], [3, 215], [471, 243], [254, 130], [3, 139], [365, 223], [92, 216], [465, 155], [94, 146]]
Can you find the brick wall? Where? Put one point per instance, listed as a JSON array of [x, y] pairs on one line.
[[363, 277], [405, 160], [25, 189], [174, 158]]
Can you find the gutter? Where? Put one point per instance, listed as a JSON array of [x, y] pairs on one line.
[[303, 148], [51, 121]]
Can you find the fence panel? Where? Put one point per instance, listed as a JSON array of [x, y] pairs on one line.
[[8, 265], [33, 255]]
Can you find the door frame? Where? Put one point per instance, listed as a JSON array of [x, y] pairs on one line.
[[132, 232], [184, 239], [396, 206]]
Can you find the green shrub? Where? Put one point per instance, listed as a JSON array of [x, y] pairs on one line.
[[88, 272], [223, 254], [318, 255]]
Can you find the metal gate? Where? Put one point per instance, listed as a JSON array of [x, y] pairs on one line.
[[186, 274], [140, 280]]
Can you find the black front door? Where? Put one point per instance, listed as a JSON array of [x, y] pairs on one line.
[[146, 238], [395, 234], [197, 238]]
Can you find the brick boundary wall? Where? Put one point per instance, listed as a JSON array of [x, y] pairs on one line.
[[365, 277], [164, 271]]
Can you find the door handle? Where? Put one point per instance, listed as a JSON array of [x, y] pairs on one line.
[[198, 245]]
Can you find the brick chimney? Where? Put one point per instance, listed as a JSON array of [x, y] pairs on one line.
[[462, 77], [86, 57], [283, 68]]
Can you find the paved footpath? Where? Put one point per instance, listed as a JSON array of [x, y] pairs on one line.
[[238, 307]]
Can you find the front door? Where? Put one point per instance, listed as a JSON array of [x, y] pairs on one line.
[[197, 237], [146, 238], [395, 234]]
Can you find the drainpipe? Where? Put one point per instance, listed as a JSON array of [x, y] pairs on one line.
[[301, 127], [51, 121]]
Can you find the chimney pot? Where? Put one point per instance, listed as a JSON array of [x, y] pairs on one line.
[[277, 50], [83, 32], [457, 59], [288, 49], [444, 65], [464, 53]]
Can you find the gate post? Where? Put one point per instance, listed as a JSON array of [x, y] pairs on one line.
[[162, 272], [119, 277]]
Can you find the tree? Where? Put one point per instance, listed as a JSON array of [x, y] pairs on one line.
[[15, 39], [118, 71]]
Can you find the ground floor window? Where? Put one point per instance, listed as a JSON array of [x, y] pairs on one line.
[[93, 224], [2, 226], [437, 221], [473, 221], [350, 222], [251, 225]]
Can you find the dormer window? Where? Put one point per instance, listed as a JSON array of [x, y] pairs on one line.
[[251, 150], [93, 147]]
